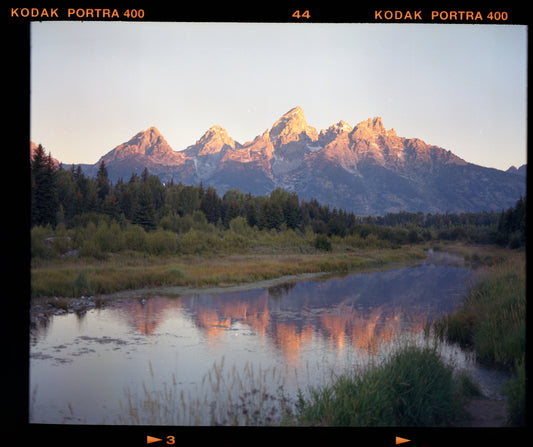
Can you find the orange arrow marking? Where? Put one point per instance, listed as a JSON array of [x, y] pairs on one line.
[[150, 439], [401, 440]]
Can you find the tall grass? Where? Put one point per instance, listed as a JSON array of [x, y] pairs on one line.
[[515, 390], [413, 387], [492, 317], [73, 278], [411, 384], [251, 396], [492, 322]]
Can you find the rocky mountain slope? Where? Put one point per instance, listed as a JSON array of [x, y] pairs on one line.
[[367, 169]]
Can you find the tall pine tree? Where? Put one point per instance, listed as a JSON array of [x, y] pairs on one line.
[[102, 183], [211, 205], [144, 212], [44, 199]]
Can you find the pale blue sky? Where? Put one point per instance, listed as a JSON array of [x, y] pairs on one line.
[[94, 85]]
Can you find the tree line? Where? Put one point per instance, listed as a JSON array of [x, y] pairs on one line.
[[68, 197]]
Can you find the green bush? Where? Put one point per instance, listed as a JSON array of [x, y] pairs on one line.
[[413, 388], [198, 242], [135, 238], [91, 249], [81, 285], [240, 226], [199, 220], [515, 390], [161, 242], [109, 237], [38, 245], [235, 242], [322, 242]]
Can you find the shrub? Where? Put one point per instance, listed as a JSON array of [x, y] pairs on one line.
[[235, 242], [109, 237], [515, 390], [413, 388], [81, 285], [322, 242], [199, 220], [239, 225], [135, 238], [161, 242], [38, 245], [91, 249], [197, 242]]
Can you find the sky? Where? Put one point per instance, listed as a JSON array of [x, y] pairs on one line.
[[94, 85]]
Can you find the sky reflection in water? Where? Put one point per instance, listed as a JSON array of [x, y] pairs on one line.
[[80, 366]]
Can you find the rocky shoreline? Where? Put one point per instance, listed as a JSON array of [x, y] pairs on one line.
[[41, 309]]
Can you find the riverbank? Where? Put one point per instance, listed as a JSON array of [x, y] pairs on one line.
[[62, 287], [491, 322], [224, 277], [76, 278], [119, 272], [66, 285]]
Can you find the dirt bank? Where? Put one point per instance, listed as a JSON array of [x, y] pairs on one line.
[[483, 412]]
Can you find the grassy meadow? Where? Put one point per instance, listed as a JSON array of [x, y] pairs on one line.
[[108, 259]]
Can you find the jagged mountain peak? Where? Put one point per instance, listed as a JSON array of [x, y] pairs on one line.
[[329, 134], [148, 136], [365, 168], [522, 170], [343, 126], [293, 118], [371, 124], [294, 113], [214, 140], [370, 128], [215, 132], [289, 127], [148, 142]]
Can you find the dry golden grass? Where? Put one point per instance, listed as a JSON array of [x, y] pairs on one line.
[[75, 278]]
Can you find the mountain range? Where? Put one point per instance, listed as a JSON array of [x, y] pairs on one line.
[[367, 169]]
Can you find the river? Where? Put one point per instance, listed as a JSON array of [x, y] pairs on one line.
[[170, 359]]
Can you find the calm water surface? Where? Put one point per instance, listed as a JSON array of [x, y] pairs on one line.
[[83, 368]]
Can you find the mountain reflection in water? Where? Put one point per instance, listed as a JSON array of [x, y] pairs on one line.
[[361, 310], [80, 365]]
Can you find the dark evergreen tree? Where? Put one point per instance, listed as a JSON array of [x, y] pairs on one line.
[[211, 205], [271, 216], [189, 200], [110, 206], [292, 212], [232, 211], [126, 199], [512, 226], [145, 175], [144, 212], [66, 193], [102, 183], [251, 214], [44, 199]]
